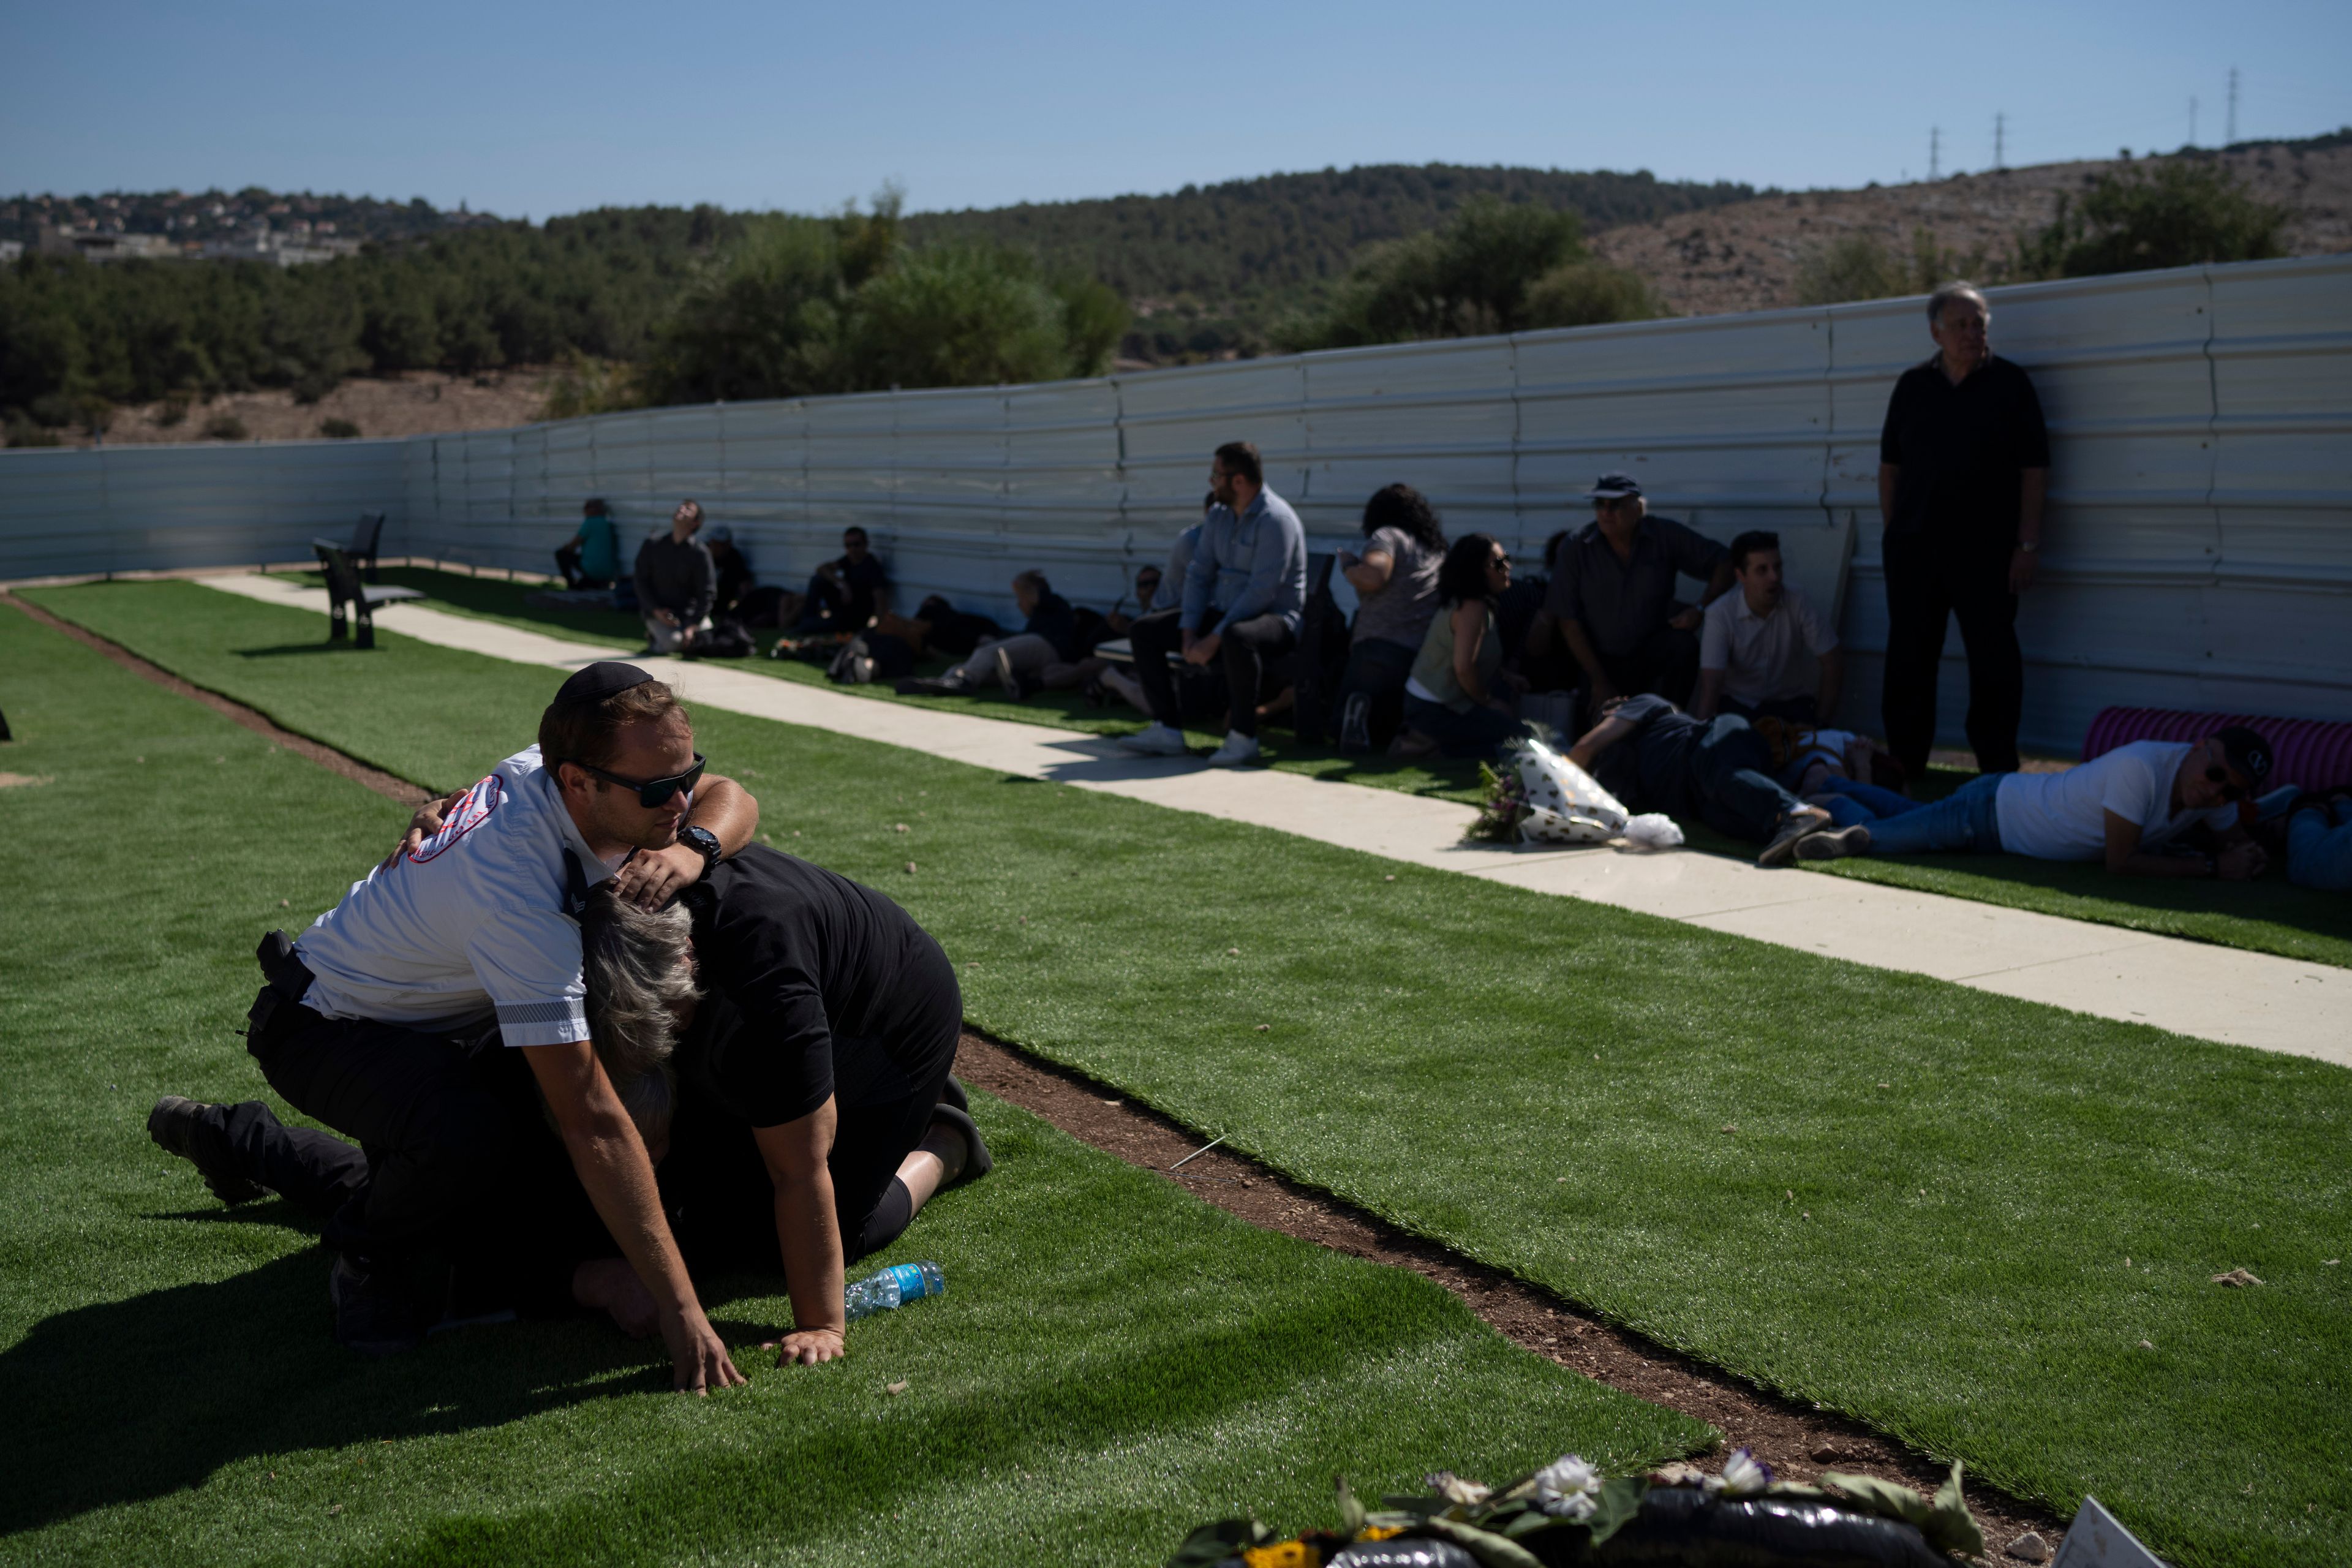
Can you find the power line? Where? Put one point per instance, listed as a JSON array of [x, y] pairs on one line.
[[2192, 121], [1935, 150], [1999, 130], [2230, 137]]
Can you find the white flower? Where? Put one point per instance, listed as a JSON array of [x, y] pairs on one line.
[[1744, 1475], [1567, 1489]]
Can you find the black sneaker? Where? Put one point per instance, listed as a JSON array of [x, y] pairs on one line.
[[977, 1161], [1797, 824], [1356, 723], [182, 1127], [1836, 845], [374, 1314]]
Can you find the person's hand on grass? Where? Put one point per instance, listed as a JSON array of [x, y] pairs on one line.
[[2241, 862], [698, 1361], [808, 1347], [421, 826], [652, 878]]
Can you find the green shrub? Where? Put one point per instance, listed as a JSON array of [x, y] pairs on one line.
[[1586, 293], [224, 427], [24, 432], [172, 410], [1467, 277], [1865, 266], [338, 429], [2184, 213]]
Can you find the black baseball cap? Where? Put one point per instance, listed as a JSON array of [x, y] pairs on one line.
[[2248, 753], [1614, 486], [599, 680]]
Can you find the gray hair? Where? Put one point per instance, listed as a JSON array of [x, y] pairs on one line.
[[638, 964], [1958, 288]]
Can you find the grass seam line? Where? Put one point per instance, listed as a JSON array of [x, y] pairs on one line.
[[1785, 1433], [389, 785]]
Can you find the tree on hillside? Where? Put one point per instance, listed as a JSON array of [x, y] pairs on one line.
[[2186, 212], [1478, 273]]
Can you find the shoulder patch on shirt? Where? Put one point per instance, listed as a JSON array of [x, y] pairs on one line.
[[471, 812]]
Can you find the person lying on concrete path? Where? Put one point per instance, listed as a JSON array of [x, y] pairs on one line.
[[1043, 653], [2126, 807], [472, 936], [1652, 756], [553, 1254]]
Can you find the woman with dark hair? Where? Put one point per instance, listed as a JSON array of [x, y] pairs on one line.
[[1395, 581], [1449, 701]]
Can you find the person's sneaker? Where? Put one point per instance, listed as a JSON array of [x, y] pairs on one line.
[[179, 1126], [1797, 824], [1007, 676], [1238, 749], [1835, 845], [373, 1315], [1156, 740], [1356, 723]]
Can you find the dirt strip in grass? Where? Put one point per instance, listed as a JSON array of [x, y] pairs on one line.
[[1799, 1442]]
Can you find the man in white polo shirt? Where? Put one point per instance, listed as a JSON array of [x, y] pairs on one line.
[[2124, 808], [385, 1020], [1749, 640]]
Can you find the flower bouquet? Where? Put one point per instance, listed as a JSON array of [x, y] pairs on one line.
[[1568, 1512], [1545, 798]]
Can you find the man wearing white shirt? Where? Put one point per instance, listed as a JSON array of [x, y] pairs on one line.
[[380, 1021], [1749, 640], [2124, 808]]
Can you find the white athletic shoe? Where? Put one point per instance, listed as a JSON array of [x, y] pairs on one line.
[[1237, 750], [1156, 740]]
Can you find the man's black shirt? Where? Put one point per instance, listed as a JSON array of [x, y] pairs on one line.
[[1650, 770], [815, 985], [1960, 449], [862, 581], [1053, 620]]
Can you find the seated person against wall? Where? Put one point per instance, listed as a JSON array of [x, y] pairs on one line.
[[1518, 612], [1167, 593], [1653, 757], [1244, 594], [735, 581], [676, 582], [1395, 581], [849, 593], [2125, 808], [1612, 597], [592, 558], [1044, 652], [1748, 640], [2319, 842], [1453, 702]]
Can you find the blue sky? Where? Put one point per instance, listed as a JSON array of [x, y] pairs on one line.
[[533, 110]]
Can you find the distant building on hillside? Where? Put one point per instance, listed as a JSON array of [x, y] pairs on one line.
[[10, 249], [258, 242], [91, 245]]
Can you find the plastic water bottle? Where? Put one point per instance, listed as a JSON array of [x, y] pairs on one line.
[[894, 1287]]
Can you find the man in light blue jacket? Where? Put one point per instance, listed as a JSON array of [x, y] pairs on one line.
[[1241, 601]]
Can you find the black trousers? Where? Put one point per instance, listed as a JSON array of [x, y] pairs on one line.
[[1928, 584], [567, 560], [1665, 662], [1243, 649], [1731, 780], [1378, 668]]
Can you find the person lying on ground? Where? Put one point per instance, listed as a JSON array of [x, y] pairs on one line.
[[1397, 595], [676, 582], [2127, 808], [1044, 652], [847, 593], [1748, 640], [592, 557], [2319, 842], [1849, 775], [1245, 592], [1652, 756], [1454, 699], [470, 934]]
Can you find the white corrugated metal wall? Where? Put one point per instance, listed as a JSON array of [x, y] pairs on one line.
[[2199, 542]]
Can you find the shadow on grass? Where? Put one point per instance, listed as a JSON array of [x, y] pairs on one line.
[[125, 1401], [507, 601], [293, 649]]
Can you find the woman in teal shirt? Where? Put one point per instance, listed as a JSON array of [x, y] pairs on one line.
[[592, 558]]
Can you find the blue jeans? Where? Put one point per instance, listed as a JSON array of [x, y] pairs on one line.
[[1477, 733], [1879, 802], [1731, 771], [2319, 848], [1964, 821]]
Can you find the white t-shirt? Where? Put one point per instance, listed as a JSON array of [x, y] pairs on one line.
[[2063, 816], [1753, 651], [472, 922]]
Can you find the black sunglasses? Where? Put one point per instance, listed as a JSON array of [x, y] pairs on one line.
[[652, 793], [2229, 791]]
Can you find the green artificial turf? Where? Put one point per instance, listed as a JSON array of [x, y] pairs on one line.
[[1903, 1199], [2271, 915], [1114, 1361]]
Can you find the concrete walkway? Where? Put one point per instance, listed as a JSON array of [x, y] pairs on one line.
[[2194, 988]]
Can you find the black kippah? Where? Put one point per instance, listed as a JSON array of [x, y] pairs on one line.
[[600, 680]]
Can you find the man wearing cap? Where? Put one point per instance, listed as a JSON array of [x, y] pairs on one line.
[[2126, 807], [676, 582], [1612, 597], [398, 1017], [1963, 464]]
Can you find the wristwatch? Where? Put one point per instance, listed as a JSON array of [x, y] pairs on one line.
[[703, 842]]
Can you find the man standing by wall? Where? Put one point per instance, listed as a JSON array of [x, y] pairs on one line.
[[1243, 594], [1963, 466]]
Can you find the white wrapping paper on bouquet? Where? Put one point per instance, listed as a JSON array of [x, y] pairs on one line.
[[1565, 803]]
